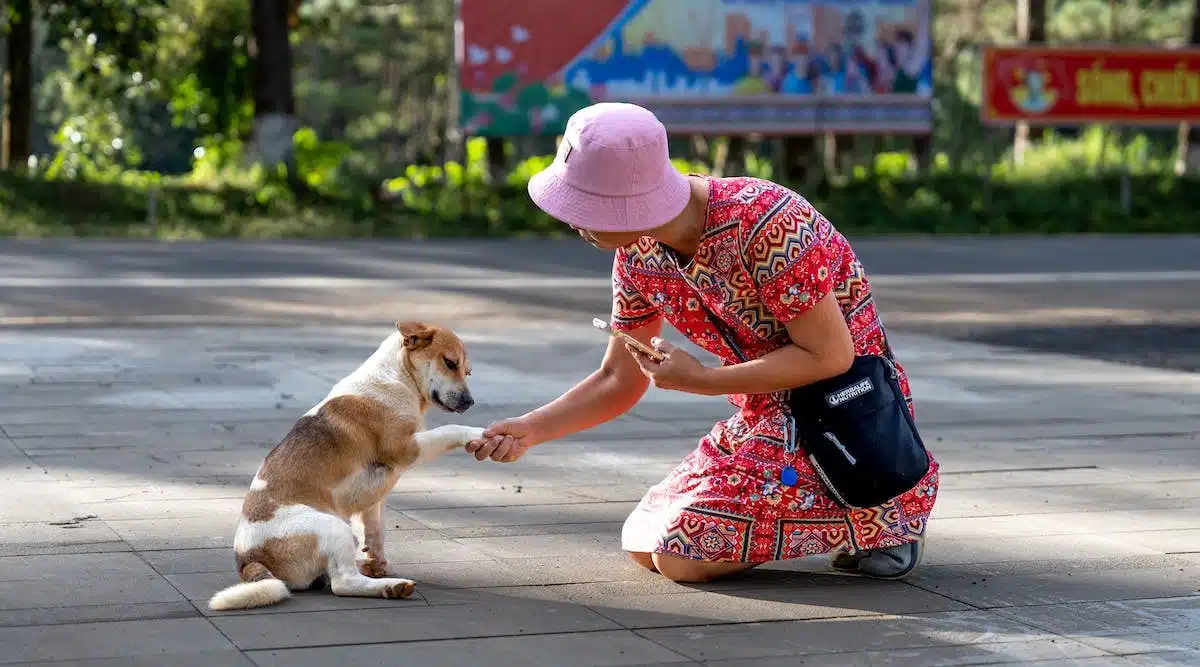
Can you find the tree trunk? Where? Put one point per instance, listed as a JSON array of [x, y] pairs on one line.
[[274, 95], [496, 160], [18, 88], [799, 158], [1031, 28], [1187, 149], [732, 159]]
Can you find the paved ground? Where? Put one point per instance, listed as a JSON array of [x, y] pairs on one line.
[[140, 387]]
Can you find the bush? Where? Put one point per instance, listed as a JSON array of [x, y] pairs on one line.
[[1053, 193]]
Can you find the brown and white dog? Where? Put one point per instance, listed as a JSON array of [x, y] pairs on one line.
[[340, 460]]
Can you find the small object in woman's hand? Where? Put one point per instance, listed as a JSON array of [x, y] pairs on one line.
[[637, 344]]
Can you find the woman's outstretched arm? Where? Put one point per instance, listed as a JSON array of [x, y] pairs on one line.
[[609, 392]]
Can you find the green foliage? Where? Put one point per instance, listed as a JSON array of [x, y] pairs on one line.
[[1061, 189], [211, 89], [134, 87]]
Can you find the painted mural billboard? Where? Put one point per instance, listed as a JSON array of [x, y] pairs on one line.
[[704, 66]]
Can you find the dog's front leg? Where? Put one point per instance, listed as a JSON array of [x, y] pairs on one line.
[[375, 564], [437, 441]]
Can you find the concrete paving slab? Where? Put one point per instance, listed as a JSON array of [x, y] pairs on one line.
[[646, 603], [72, 566], [102, 613], [474, 517], [1113, 617], [101, 589], [843, 635], [162, 639], [191, 533], [589, 649], [196, 659], [1037, 652], [226, 509], [1066, 483], [1167, 659], [189, 561], [599, 528], [553, 570], [61, 533], [407, 620], [1082, 581], [405, 498], [1134, 643], [199, 587]]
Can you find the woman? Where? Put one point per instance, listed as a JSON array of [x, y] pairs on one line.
[[794, 298]]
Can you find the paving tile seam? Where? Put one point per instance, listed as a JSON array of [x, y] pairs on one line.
[[1005, 613], [1000, 471], [917, 585], [1035, 605], [837, 617], [17, 447], [369, 604], [638, 633], [1001, 661], [372, 642], [190, 602], [1120, 654], [581, 501], [48, 545], [123, 619]]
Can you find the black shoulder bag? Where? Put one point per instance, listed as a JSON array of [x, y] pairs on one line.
[[856, 429]]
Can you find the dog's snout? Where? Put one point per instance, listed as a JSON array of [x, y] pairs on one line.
[[465, 401]]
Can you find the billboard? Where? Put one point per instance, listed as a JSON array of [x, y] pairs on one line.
[[703, 66], [1070, 86]]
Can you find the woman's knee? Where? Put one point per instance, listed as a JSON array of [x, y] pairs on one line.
[[687, 571]]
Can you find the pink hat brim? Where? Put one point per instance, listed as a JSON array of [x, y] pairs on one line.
[[584, 210]]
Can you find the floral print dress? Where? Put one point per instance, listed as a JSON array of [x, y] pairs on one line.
[[766, 257]]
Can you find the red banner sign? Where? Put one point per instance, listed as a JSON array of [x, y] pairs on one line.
[[1066, 86]]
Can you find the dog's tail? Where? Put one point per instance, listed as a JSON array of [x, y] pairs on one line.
[[263, 589]]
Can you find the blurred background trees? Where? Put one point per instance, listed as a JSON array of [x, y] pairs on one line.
[[348, 103]]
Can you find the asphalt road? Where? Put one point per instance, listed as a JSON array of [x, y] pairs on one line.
[[1131, 299]]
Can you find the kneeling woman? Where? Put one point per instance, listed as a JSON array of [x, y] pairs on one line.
[[749, 271]]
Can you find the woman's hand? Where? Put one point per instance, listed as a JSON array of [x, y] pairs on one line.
[[504, 441], [680, 371]]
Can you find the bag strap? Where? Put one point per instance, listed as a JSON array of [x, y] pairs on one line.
[[726, 333]]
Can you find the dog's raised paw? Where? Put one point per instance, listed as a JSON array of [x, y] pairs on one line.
[[472, 433]]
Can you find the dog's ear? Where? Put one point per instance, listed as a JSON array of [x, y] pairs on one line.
[[416, 334]]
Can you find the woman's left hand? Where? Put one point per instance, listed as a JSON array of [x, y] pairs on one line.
[[679, 371]]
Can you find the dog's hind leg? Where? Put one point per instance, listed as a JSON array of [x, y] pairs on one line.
[[437, 441], [337, 543]]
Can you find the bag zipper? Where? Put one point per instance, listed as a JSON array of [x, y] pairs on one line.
[[842, 448]]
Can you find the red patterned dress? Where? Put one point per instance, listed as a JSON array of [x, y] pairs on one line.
[[766, 257]]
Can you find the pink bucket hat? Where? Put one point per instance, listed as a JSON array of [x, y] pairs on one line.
[[612, 172]]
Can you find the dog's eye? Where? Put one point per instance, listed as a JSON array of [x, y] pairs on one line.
[[450, 363]]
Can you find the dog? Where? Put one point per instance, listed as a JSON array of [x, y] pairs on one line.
[[341, 459]]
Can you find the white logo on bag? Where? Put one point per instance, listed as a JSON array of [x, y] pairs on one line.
[[863, 386]]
